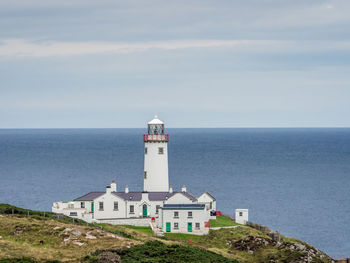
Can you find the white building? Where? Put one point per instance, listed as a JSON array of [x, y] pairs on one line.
[[156, 205], [241, 216]]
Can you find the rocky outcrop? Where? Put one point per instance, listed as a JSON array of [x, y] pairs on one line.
[[109, 257], [296, 252]]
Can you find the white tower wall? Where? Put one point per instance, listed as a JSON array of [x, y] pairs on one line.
[[156, 178]]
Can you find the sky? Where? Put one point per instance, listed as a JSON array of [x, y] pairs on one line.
[[226, 63]]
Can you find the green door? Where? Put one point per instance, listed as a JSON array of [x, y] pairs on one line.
[[168, 226], [92, 207], [144, 210], [189, 227]]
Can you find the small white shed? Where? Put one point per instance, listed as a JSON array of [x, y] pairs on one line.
[[241, 216]]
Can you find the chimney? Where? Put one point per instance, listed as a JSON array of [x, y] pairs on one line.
[[126, 189], [171, 189], [108, 189], [113, 186], [183, 189]]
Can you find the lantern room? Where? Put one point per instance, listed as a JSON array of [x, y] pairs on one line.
[[155, 126]]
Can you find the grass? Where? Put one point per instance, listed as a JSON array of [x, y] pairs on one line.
[[143, 229], [43, 240], [222, 221], [39, 238]]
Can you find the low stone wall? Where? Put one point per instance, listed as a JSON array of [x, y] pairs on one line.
[[142, 221]]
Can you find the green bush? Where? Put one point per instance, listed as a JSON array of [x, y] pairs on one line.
[[155, 251]]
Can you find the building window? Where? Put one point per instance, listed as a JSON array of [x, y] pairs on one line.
[[70, 206], [145, 175], [100, 206], [146, 150], [157, 208], [176, 225], [73, 214], [131, 209], [190, 214], [197, 226], [160, 150], [176, 214], [240, 213], [115, 206], [82, 204], [211, 205]]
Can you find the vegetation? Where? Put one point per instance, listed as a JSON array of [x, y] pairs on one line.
[[222, 221], [143, 229], [156, 251], [42, 237]]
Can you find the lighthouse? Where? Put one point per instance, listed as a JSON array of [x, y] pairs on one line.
[[156, 178]]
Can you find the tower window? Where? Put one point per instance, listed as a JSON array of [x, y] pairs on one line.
[[145, 175], [146, 150], [160, 150]]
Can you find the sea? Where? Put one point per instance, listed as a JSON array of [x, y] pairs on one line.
[[296, 181]]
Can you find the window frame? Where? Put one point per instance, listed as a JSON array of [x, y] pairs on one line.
[[133, 209], [100, 206], [160, 150]]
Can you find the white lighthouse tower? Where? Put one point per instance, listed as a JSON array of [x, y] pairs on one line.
[[156, 178]]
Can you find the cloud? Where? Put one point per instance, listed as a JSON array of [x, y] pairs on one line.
[[31, 48]]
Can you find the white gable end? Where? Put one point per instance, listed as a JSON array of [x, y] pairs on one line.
[[179, 198]]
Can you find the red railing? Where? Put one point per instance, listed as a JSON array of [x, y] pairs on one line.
[[155, 138]]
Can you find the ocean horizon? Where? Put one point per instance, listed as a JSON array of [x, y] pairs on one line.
[[293, 180]]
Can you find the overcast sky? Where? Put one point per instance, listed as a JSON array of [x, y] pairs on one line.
[[235, 63]]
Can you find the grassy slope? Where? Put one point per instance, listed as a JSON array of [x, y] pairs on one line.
[[45, 239], [222, 221], [21, 236]]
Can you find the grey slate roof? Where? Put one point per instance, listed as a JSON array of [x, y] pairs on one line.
[[136, 196], [89, 197], [131, 196], [183, 206]]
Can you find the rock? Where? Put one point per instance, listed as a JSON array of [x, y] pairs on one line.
[[0, 237], [76, 232], [110, 235], [89, 236], [109, 257], [78, 243], [68, 229], [56, 228], [299, 246], [66, 240]]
